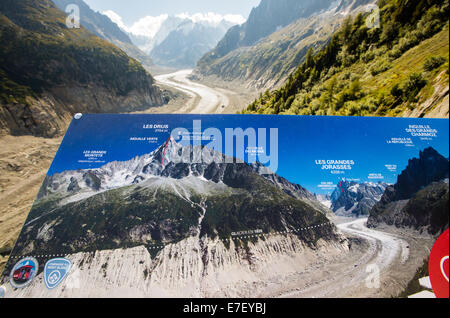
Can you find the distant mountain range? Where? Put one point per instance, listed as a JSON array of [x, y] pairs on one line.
[[187, 43], [420, 198], [48, 72], [179, 41], [324, 199]]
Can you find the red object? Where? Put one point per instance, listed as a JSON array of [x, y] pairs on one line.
[[23, 274], [164, 152], [438, 266]]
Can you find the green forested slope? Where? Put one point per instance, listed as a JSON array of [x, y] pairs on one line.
[[38, 50], [381, 71]]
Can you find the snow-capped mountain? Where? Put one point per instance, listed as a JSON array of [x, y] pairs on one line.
[[170, 160], [163, 162], [188, 42], [356, 199], [180, 40], [185, 178], [174, 225], [146, 40]]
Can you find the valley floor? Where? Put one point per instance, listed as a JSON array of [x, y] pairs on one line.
[[393, 253], [207, 97]]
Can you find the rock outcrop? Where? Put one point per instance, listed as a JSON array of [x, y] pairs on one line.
[[419, 199]]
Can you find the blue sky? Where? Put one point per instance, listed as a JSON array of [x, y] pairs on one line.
[[133, 10], [302, 141]]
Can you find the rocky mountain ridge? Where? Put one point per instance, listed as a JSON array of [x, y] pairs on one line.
[[170, 160]]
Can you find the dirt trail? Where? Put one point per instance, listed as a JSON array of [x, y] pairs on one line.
[[210, 96], [24, 162]]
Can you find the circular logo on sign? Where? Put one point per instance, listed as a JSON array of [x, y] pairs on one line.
[[438, 266], [2, 291], [24, 272], [54, 277]]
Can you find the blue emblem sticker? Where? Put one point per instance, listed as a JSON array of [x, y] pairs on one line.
[[23, 272], [55, 271]]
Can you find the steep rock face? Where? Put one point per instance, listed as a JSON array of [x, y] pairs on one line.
[[49, 113], [49, 72], [420, 172], [268, 62], [356, 199], [104, 28], [419, 199], [265, 19], [428, 207], [95, 22]]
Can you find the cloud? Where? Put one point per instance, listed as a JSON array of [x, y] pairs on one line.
[[213, 18], [117, 19], [147, 26]]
